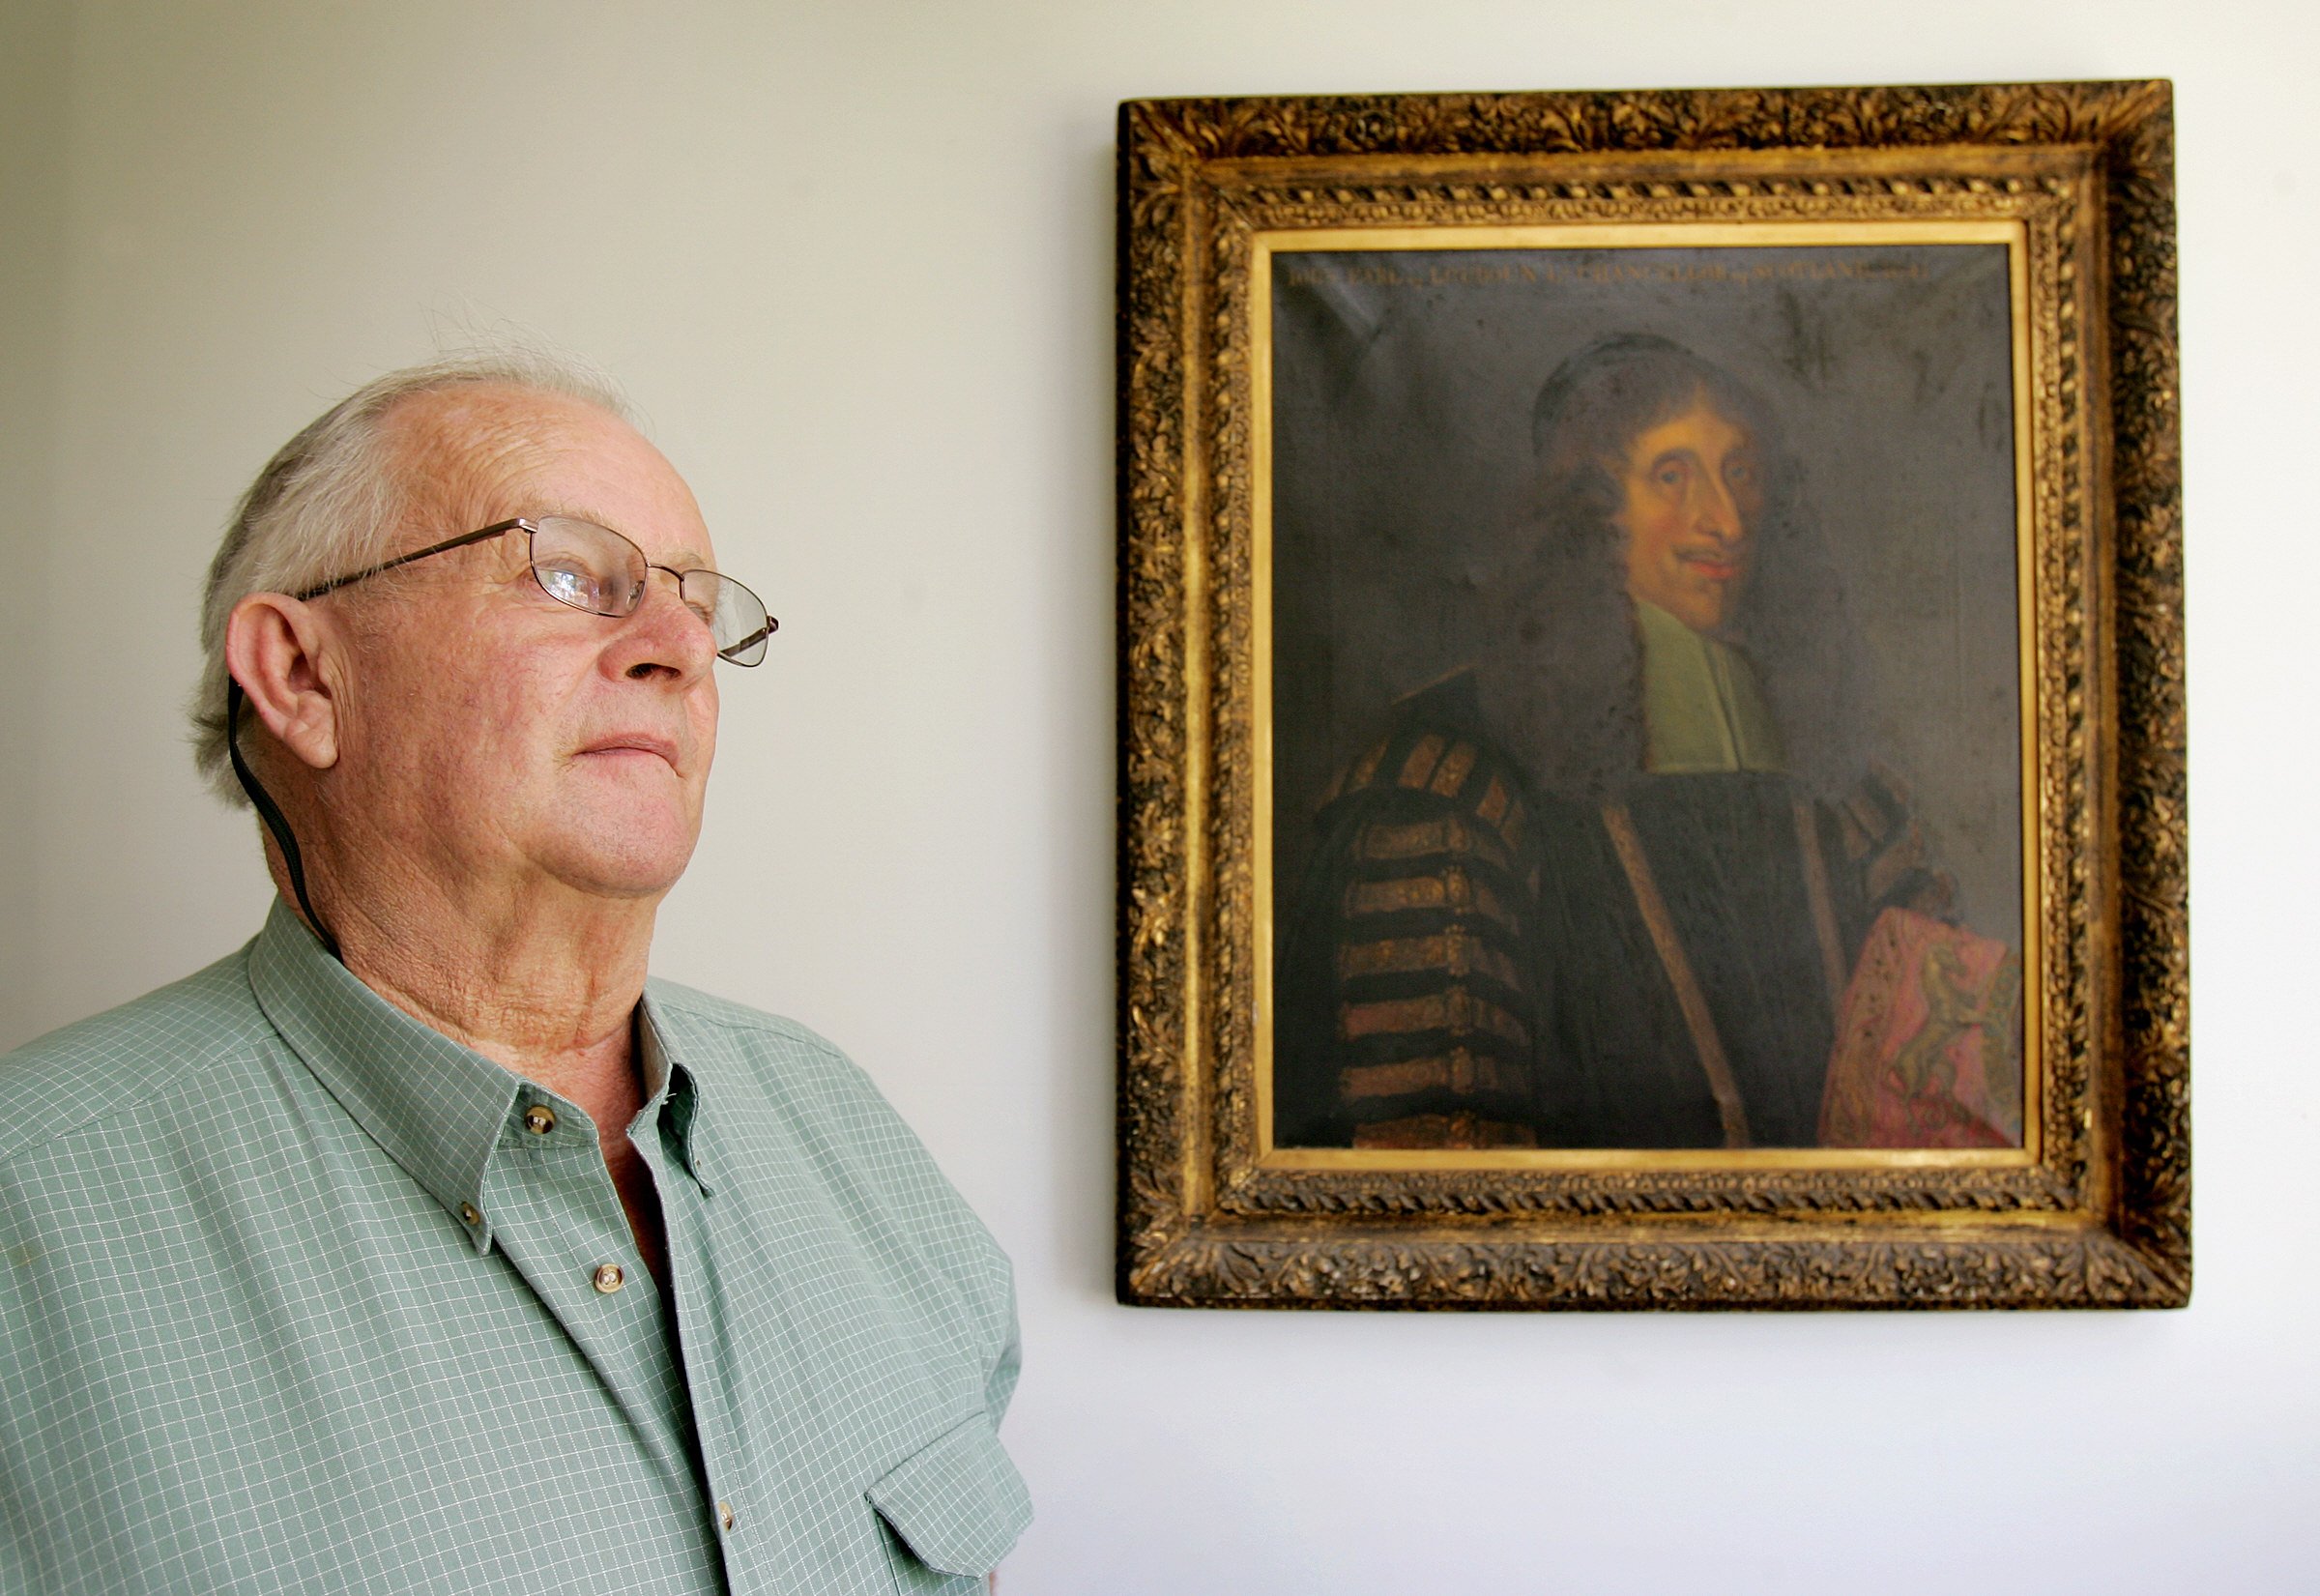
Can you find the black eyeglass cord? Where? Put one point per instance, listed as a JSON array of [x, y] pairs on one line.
[[273, 817]]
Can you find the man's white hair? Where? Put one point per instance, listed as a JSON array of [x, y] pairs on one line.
[[332, 500]]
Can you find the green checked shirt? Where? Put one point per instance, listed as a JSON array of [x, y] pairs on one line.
[[298, 1295]]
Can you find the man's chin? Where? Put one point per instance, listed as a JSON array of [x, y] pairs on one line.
[[618, 889], [1708, 605], [1702, 614], [637, 861]]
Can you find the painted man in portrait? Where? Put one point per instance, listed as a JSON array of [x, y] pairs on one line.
[[1606, 886]]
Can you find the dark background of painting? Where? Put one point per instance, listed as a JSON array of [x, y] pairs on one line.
[[1402, 384]]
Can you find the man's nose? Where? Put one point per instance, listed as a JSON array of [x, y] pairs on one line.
[[1715, 513], [665, 631]]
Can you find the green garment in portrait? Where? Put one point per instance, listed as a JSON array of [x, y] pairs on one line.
[[298, 1295], [1702, 708]]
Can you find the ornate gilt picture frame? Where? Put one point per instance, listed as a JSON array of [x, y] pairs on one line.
[[1652, 722]]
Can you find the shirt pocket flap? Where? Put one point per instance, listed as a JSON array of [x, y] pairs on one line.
[[957, 1501]]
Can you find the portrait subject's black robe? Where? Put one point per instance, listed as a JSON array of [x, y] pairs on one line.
[[1471, 962]]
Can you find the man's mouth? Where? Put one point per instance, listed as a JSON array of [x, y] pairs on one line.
[[1711, 565], [629, 744]]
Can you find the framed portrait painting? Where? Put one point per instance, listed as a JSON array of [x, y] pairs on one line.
[[1652, 729]]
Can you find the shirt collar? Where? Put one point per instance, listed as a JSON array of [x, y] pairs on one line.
[[677, 1091], [437, 1108], [1703, 710]]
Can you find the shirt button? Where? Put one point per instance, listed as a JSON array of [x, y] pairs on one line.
[[725, 1514], [610, 1278], [539, 1118], [467, 1211]]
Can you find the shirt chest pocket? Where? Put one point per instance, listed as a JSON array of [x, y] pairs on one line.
[[952, 1509]]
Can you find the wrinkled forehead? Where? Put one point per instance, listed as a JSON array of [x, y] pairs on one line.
[[455, 446], [471, 455]]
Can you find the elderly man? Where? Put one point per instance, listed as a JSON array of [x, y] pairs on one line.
[[424, 1243]]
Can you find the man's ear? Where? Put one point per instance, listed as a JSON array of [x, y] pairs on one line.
[[273, 648]]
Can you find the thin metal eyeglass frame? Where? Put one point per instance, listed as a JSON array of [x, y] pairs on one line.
[[531, 528]]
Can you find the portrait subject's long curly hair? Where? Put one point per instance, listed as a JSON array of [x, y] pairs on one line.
[[1564, 682]]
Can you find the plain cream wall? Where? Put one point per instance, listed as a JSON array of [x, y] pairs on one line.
[[33, 51], [856, 263]]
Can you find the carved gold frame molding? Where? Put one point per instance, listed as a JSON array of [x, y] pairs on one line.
[[2095, 1210]]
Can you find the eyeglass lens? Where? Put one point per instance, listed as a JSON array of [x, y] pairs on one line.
[[594, 569]]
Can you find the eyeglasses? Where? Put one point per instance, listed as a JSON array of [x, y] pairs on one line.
[[594, 569]]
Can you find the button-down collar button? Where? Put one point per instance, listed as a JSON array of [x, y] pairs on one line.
[[610, 1278], [539, 1118], [725, 1514], [467, 1211]]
